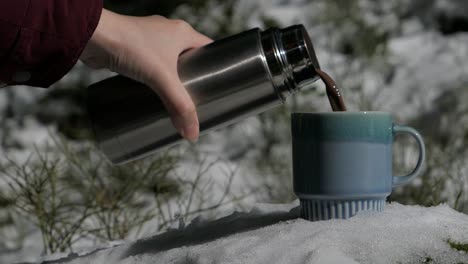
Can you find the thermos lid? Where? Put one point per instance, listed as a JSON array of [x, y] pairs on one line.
[[291, 58]]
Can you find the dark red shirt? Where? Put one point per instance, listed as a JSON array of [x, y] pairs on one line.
[[41, 40]]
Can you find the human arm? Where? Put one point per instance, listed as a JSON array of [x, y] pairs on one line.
[[41, 40]]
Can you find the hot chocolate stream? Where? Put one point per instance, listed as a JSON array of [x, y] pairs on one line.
[[333, 93]]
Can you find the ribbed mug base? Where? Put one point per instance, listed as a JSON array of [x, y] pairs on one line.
[[316, 210]]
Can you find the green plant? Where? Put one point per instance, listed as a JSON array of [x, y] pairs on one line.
[[71, 193], [37, 189], [458, 246], [120, 192], [198, 193], [427, 260]]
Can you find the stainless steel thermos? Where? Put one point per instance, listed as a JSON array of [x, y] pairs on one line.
[[228, 79]]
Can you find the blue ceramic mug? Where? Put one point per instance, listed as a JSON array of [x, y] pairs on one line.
[[342, 162]]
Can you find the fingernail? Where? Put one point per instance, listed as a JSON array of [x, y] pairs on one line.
[[181, 132], [188, 128], [191, 132]]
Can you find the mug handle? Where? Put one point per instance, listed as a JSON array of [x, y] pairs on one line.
[[402, 180]]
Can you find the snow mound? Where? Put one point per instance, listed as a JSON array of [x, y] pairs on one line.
[[274, 234]]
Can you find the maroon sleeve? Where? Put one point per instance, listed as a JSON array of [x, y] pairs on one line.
[[41, 40]]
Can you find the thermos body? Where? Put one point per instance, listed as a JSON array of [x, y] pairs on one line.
[[228, 80]]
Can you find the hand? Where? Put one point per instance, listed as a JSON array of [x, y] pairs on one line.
[[147, 49]]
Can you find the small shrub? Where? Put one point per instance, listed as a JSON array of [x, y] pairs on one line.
[[458, 246]]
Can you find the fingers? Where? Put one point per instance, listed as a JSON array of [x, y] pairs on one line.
[[178, 103], [161, 74], [175, 96]]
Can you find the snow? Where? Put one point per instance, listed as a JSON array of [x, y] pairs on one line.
[[428, 63], [273, 234]]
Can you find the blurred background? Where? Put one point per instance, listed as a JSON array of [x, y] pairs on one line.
[[59, 195]]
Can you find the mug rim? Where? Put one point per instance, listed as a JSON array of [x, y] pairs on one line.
[[366, 126]]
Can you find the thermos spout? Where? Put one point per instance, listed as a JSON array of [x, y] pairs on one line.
[[291, 58]]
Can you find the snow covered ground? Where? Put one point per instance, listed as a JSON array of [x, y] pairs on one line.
[[273, 234], [428, 64]]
